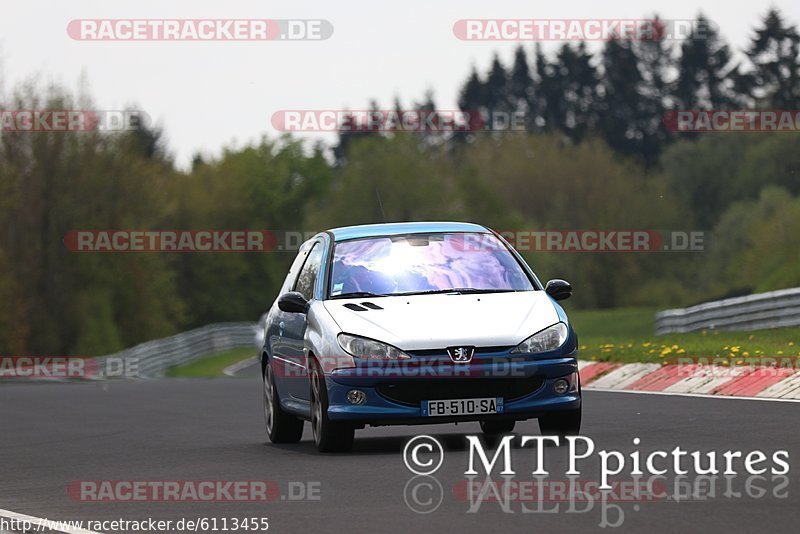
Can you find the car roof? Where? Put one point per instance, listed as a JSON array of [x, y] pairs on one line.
[[377, 230]]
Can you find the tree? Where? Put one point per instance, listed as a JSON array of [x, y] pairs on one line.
[[619, 104], [775, 78], [546, 102], [353, 128], [472, 100], [575, 91], [473, 93], [497, 88], [634, 92], [706, 71], [522, 88]]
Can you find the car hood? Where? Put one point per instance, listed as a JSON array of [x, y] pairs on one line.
[[420, 322]]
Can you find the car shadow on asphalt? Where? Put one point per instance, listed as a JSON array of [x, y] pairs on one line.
[[378, 445]]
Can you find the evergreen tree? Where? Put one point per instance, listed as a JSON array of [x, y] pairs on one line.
[[353, 128], [522, 88], [546, 102], [634, 96], [618, 107], [575, 87], [706, 71], [497, 87], [472, 99], [775, 78]]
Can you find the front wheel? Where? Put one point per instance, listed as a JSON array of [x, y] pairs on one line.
[[330, 436], [561, 424], [281, 426]]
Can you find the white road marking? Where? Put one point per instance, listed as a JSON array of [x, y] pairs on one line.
[[49, 523], [233, 369]]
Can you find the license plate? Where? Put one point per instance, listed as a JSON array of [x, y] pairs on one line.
[[435, 408]]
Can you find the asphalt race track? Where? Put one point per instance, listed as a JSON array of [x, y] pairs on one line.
[[52, 435]]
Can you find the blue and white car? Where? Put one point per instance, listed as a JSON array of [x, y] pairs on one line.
[[415, 323]]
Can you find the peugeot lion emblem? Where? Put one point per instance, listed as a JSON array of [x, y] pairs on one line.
[[461, 354]]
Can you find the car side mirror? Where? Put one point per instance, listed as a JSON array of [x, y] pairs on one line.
[[293, 302], [558, 289]]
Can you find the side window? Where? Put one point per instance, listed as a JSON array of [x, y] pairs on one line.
[[308, 274], [291, 276]]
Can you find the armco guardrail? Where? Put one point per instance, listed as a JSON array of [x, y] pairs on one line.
[[152, 358], [773, 309]]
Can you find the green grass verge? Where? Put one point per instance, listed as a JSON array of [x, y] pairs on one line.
[[626, 335], [212, 366]]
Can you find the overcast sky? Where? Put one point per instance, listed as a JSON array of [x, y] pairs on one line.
[[210, 94]]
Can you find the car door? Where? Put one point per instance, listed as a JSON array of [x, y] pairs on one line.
[[292, 327]]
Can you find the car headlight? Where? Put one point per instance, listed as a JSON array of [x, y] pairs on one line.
[[550, 338], [362, 347]]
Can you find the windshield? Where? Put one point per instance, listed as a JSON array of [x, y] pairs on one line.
[[422, 263]]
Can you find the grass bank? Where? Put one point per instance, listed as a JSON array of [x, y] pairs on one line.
[[626, 335], [211, 366]]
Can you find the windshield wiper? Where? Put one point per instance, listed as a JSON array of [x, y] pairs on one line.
[[457, 290], [356, 294]]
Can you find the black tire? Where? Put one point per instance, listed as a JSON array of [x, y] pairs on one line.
[[561, 424], [330, 436], [494, 427], [281, 427]]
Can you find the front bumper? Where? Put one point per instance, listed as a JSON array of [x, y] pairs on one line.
[[394, 393]]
